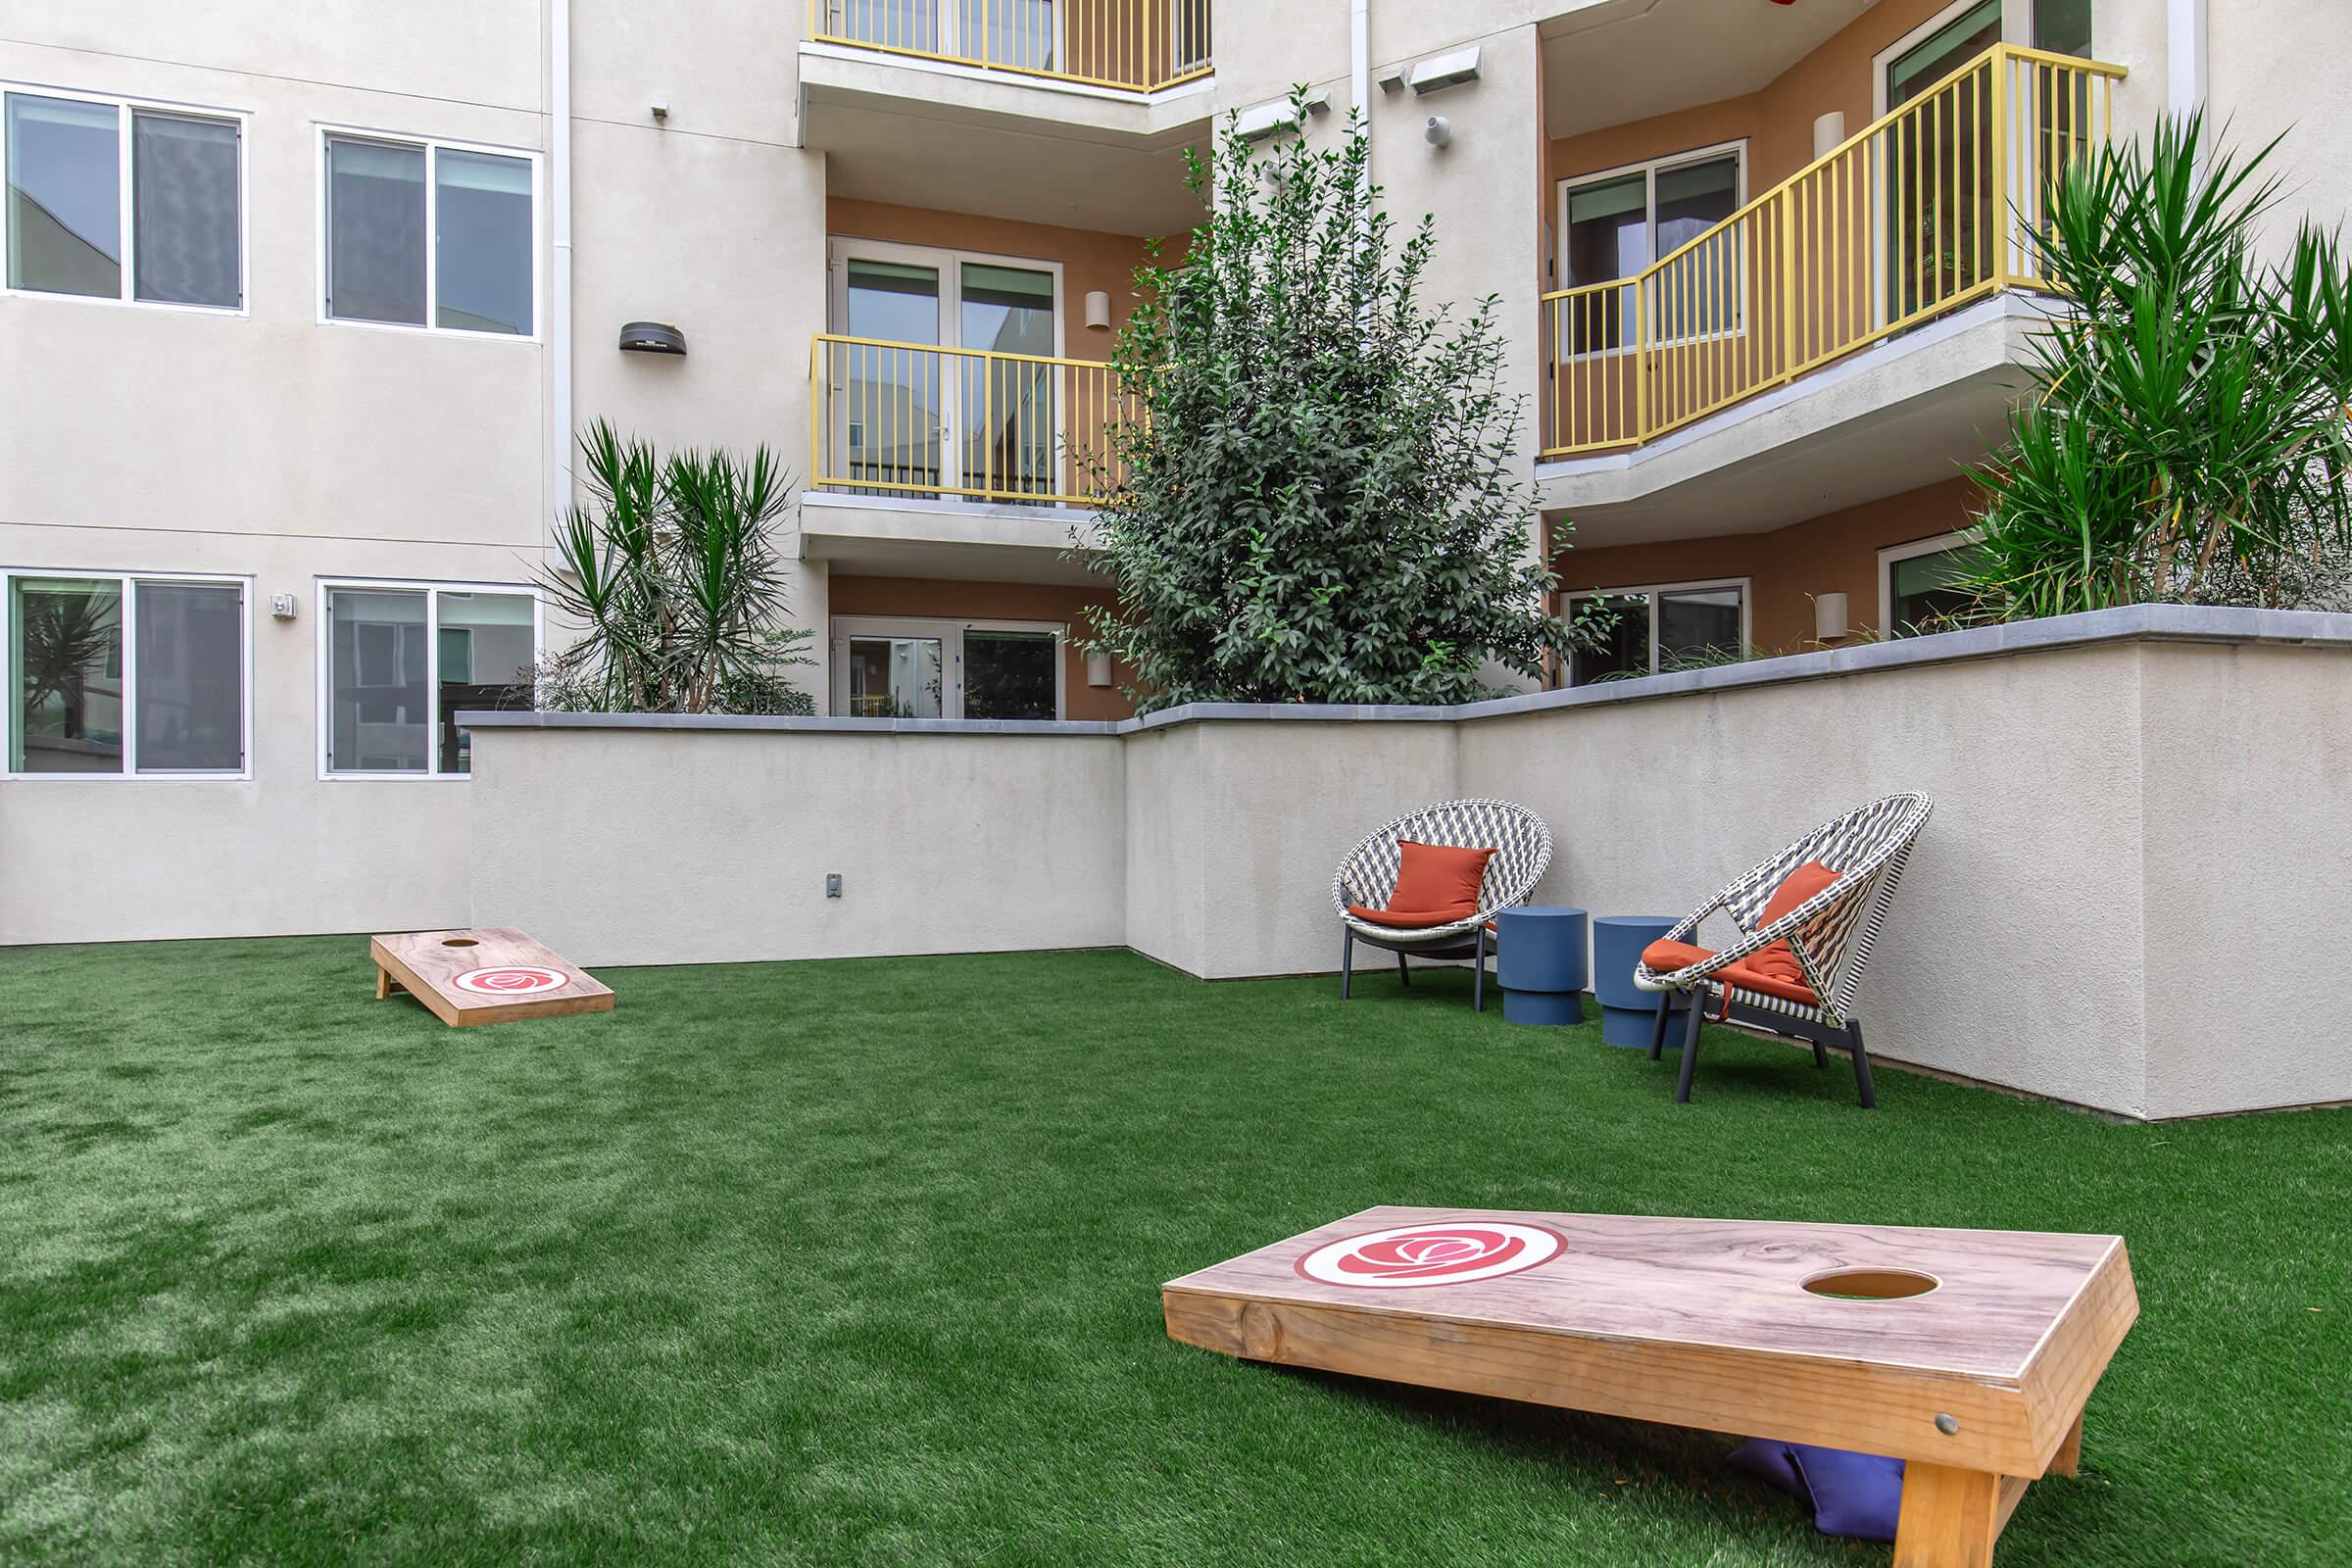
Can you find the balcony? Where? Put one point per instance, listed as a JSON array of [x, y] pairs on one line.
[[1129, 46], [980, 463], [1927, 212]]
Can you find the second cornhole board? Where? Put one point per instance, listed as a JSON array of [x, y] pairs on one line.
[[1978, 1382], [494, 975]]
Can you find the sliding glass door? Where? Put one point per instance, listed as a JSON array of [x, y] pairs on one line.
[[900, 667], [910, 417]]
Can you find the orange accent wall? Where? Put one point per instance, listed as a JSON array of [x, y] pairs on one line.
[[1777, 119], [1090, 258], [948, 599], [1836, 553]]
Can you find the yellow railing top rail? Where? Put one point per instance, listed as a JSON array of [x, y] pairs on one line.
[[964, 353], [1999, 54], [819, 34]]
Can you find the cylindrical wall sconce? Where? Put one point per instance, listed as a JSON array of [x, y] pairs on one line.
[[1097, 669], [1829, 617], [1828, 131], [1098, 310]]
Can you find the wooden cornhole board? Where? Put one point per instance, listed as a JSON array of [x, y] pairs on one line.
[[489, 977], [1978, 1384]]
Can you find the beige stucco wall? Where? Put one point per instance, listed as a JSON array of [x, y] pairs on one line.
[[2033, 765], [2129, 836], [713, 845]]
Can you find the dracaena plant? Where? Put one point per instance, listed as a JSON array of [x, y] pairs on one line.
[[2187, 438], [1312, 493], [672, 575]]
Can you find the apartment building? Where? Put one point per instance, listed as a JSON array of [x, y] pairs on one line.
[[300, 309]]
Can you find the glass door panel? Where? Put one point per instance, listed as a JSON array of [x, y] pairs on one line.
[[1608, 238], [1698, 627], [1010, 675], [895, 677], [1009, 32], [887, 24], [1010, 421], [1941, 223], [890, 420]]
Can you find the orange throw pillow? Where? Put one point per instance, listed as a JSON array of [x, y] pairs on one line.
[[1439, 879]]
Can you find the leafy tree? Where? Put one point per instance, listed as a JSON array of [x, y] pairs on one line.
[[672, 574], [2188, 442], [1310, 491]]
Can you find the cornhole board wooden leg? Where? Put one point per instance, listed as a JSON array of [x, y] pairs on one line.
[[1951, 1517]]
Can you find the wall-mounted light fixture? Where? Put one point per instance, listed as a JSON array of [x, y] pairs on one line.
[[1098, 309], [1439, 130], [1828, 132], [652, 337], [1449, 70], [1266, 119], [1097, 669], [1829, 617]]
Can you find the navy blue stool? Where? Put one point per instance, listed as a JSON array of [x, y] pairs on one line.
[[1628, 1013], [1541, 963]]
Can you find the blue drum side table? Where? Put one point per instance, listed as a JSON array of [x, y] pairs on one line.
[[1628, 1013], [1541, 964]]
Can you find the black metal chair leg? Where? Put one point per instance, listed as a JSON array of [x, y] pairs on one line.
[[1478, 983], [1346, 958], [1657, 1029], [1698, 1009], [1821, 1054], [1404, 969], [1870, 1094]]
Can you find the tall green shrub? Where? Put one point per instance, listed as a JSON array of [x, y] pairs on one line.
[[2187, 441], [1313, 495], [672, 575]]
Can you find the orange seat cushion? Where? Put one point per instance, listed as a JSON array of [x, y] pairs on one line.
[[1664, 957], [1409, 919], [1439, 878]]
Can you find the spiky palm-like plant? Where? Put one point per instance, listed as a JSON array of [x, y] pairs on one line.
[[672, 575], [2189, 441]]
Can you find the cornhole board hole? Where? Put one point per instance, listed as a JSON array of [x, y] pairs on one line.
[[491, 976], [1969, 1355]]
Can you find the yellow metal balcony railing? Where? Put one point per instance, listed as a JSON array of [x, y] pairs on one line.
[[1134, 45], [1930, 208], [914, 420]]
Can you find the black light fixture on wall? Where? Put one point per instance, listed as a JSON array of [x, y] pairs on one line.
[[652, 337]]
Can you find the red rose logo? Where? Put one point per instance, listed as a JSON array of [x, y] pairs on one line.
[[1432, 1254], [515, 980]]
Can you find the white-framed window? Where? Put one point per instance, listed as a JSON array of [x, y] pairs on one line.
[[398, 660], [902, 666], [428, 235], [122, 199], [954, 422], [1661, 626], [1616, 222], [1919, 583], [127, 674]]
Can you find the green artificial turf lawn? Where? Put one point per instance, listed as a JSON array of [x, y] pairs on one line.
[[853, 1262]]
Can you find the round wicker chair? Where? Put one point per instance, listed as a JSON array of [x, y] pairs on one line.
[[1830, 935], [1522, 846]]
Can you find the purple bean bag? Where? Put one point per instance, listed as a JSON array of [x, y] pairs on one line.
[[1859, 1496]]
